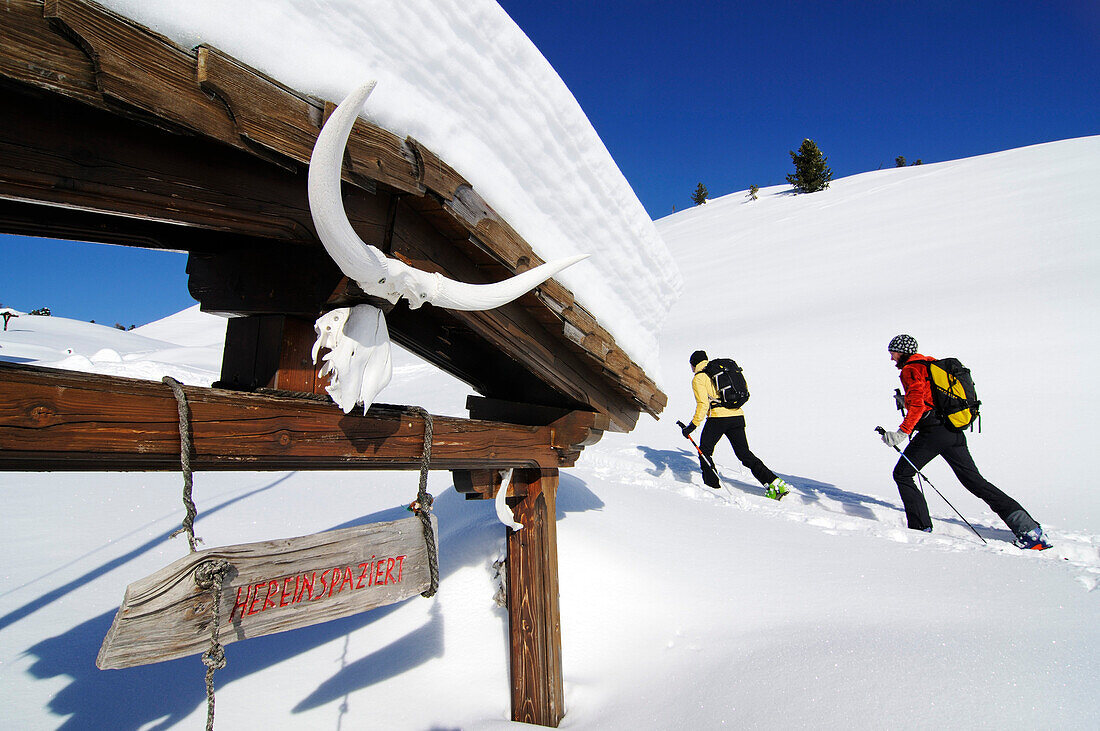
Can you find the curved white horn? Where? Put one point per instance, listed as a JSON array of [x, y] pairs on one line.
[[356, 259], [460, 296], [376, 273]]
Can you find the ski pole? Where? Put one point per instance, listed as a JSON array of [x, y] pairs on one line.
[[710, 460], [880, 430]]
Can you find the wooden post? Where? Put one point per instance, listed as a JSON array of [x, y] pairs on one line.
[[534, 617]]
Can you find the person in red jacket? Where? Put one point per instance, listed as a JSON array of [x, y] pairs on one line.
[[931, 439]]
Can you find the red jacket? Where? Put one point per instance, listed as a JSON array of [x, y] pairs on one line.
[[918, 390]]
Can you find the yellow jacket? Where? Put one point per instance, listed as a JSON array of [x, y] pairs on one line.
[[702, 386]]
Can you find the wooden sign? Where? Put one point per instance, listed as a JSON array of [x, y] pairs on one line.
[[272, 586]]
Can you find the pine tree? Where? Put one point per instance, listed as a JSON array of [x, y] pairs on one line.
[[899, 161], [811, 174], [699, 197]]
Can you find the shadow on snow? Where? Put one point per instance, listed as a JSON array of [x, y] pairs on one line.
[[158, 696], [683, 464]]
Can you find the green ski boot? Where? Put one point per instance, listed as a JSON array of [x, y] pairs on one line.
[[777, 489]]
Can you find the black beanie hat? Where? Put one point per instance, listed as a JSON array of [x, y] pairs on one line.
[[697, 357], [904, 344]]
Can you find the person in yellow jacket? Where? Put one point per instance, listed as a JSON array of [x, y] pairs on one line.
[[722, 421]]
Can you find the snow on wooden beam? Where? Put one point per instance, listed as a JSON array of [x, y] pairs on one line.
[[79, 50]]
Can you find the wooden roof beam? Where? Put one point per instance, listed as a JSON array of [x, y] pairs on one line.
[[62, 420]]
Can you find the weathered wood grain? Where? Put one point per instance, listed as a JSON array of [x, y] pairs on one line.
[[63, 420], [32, 52], [272, 586], [137, 67], [534, 616]]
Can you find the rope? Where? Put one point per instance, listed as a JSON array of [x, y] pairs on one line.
[[210, 575], [423, 505], [185, 462]]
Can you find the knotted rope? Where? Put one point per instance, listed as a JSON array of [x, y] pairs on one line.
[[209, 574], [423, 505]]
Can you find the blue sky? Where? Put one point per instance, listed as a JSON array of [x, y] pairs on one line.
[[718, 93]]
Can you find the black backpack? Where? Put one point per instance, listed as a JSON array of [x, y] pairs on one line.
[[729, 382], [954, 398]]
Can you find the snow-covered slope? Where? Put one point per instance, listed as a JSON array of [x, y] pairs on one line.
[[681, 607], [462, 78], [993, 259]]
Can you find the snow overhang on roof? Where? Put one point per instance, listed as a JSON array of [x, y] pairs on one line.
[[132, 139]]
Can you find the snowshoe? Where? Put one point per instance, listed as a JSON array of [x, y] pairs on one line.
[[1033, 540]]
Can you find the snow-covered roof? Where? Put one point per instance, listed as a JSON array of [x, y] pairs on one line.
[[463, 79]]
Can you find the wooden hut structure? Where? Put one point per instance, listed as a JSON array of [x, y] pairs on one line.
[[112, 133]]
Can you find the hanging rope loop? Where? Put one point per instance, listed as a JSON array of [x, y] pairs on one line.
[[422, 506], [185, 462]]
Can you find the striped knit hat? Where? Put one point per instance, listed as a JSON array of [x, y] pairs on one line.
[[904, 344]]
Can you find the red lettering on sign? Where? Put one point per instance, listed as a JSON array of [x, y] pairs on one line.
[[238, 604], [347, 579], [255, 597], [260, 596], [307, 587], [336, 574], [283, 594], [268, 601]]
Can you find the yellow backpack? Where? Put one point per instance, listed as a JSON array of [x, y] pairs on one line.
[[954, 397]]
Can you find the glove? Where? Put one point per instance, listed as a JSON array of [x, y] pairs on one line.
[[688, 429], [894, 438]]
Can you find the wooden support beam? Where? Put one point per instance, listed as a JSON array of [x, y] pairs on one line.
[[52, 420], [534, 615]]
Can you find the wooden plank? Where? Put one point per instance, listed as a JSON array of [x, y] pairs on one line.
[[33, 53], [62, 420], [137, 171], [435, 175], [277, 118], [271, 586], [296, 371], [481, 484], [290, 122], [534, 615], [142, 69]]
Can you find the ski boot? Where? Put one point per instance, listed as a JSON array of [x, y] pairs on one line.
[[1033, 540], [777, 489]]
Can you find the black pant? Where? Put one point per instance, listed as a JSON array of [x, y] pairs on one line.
[[733, 428], [938, 441]]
